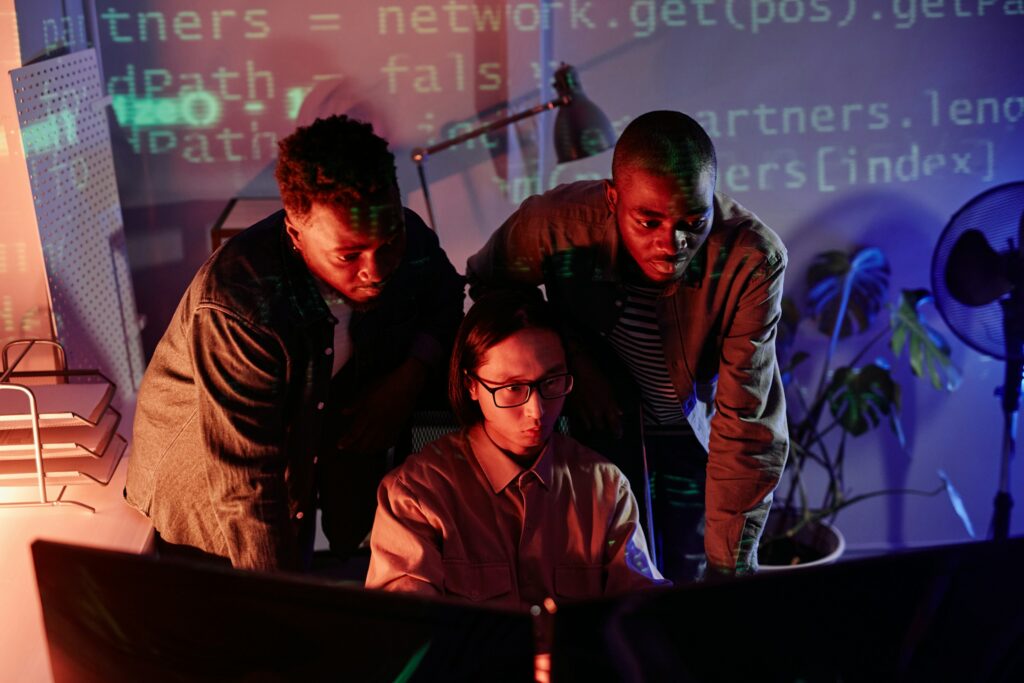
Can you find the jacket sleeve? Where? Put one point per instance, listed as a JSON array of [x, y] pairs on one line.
[[514, 254], [627, 561], [405, 549], [442, 292], [749, 440], [239, 374]]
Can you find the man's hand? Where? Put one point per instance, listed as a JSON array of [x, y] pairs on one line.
[[592, 402], [379, 414]]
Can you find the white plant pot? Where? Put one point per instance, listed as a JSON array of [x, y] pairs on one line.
[[820, 535]]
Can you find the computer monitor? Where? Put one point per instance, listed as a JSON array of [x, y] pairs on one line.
[[113, 616], [952, 613]]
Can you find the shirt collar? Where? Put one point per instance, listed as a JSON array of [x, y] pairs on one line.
[[500, 469]]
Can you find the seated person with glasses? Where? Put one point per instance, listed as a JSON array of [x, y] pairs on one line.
[[505, 511]]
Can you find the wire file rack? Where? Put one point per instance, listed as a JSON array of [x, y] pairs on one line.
[[57, 427]]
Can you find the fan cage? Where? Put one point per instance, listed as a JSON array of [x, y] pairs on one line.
[[996, 213]]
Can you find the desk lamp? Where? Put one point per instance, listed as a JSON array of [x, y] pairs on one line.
[[581, 129]]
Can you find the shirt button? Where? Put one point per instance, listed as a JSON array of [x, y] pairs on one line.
[[320, 405], [328, 351], [299, 515]]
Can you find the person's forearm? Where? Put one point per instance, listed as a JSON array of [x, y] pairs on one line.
[[413, 373], [409, 584]]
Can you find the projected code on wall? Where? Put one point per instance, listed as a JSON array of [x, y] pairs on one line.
[[208, 86], [834, 164], [640, 18]]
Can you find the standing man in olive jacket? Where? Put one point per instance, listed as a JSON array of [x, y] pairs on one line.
[[672, 295], [293, 360]]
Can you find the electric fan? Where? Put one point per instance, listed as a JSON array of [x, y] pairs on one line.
[[978, 281]]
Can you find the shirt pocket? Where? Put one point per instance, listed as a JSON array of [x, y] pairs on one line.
[[477, 581], [579, 581]]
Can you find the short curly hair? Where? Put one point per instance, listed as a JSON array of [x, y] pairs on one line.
[[338, 162], [664, 142]]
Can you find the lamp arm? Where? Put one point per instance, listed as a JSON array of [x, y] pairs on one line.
[[421, 153]]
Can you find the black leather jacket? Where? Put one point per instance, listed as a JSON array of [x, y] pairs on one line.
[[235, 403]]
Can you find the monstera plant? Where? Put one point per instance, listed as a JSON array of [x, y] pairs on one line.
[[848, 301]]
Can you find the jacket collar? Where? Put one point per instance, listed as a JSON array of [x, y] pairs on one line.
[[307, 302]]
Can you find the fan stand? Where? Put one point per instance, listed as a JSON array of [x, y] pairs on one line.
[[1013, 324]]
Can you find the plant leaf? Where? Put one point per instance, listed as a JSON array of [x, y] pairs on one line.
[[865, 273], [928, 349], [958, 503], [897, 429], [858, 397], [787, 370], [899, 339]]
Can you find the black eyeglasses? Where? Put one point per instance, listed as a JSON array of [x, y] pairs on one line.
[[512, 395]]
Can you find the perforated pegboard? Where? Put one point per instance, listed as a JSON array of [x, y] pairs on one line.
[[63, 120]]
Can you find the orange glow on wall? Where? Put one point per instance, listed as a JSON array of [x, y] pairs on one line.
[[24, 294]]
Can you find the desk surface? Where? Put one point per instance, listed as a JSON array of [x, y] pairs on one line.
[[23, 651]]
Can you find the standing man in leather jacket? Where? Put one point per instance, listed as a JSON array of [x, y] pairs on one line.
[[293, 361]]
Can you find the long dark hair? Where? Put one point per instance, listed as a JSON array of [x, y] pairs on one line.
[[493, 318]]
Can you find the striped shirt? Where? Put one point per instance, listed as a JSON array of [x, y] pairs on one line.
[[637, 340]]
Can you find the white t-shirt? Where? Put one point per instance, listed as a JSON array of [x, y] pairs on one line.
[[343, 312]]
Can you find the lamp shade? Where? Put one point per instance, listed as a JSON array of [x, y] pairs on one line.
[[581, 129]]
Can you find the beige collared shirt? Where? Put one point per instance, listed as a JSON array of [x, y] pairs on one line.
[[463, 519]]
